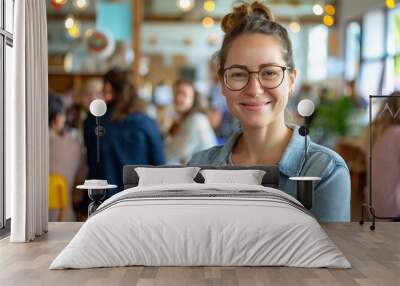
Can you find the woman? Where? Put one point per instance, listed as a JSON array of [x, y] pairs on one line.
[[192, 131], [385, 180], [131, 136], [257, 74]]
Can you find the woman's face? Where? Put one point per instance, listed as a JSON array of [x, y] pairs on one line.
[[183, 98], [92, 91], [108, 92], [254, 105]]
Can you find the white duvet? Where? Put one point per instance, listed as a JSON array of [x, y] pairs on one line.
[[206, 230]]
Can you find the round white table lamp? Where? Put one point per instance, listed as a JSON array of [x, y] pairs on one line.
[[97, 188], [305, 185], [305, 107], [98, 107]]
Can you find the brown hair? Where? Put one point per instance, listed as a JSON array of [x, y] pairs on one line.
[[197, 104], [125, 97], [387, 116], [251, 19]]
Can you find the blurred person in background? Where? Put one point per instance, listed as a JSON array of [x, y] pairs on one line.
[[131, 136], [92, 90], [73, 123], [191, 131], [221, 119], [64, 152], [74, 127], [162, 100], [76, 114], [351, 90]]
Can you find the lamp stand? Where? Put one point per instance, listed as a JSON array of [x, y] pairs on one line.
[[97, 196], [99, 131]]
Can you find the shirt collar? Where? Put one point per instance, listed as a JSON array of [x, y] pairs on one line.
[[292, 159], [223, 157]]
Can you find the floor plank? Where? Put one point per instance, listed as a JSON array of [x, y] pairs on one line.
[[374, 255]]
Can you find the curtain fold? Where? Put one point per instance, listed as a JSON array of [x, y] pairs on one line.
[[27, 153]]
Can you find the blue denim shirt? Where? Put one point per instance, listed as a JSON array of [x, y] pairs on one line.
[[332, 192]]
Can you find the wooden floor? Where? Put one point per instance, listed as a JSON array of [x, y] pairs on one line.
[[375, 256]]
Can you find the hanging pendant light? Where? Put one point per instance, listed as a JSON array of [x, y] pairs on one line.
[[185, 5], [81, 4], [58, 4]]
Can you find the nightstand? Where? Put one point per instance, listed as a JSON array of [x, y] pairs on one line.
[[97, 190], [305, 190]]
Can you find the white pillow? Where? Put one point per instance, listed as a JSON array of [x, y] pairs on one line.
[[164, 176], [249, 177]]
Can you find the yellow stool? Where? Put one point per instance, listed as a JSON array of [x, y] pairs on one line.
[[58, 194]]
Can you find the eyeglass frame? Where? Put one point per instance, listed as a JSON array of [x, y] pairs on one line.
[[284, 69]]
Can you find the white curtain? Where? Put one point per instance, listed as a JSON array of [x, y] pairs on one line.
[[27, 123]]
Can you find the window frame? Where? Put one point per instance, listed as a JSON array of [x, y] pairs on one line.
[[365, 60], [389, 56], [345, 43]]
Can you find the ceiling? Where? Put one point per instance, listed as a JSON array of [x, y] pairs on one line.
[[281, 8], [167, 10]]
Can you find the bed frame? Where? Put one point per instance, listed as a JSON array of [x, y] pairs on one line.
[[270, 179]]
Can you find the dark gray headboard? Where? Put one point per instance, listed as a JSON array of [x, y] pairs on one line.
[[271, 177]]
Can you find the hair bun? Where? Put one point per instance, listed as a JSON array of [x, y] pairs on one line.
[[239, 13]]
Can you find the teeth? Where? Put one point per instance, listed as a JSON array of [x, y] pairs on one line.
[[256, 104]]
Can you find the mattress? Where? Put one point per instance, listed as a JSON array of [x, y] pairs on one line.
[[201, 225]]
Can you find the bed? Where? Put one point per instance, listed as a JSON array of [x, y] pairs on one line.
[[201, 223]]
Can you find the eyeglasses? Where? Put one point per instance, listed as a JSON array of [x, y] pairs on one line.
[[237, 77]]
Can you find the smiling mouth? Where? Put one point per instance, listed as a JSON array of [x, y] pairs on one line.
[[255, 105]]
